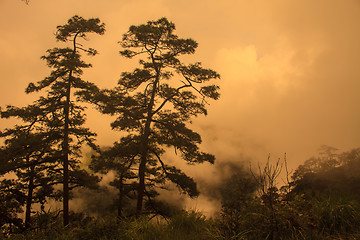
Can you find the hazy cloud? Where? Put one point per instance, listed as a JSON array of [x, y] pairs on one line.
[[290, 69]]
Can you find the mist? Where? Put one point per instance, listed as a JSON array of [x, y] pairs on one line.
[[289, 71]]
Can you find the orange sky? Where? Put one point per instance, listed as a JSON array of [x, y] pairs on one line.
[[290, 69]]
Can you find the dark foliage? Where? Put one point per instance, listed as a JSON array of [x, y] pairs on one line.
[[154, 105], [53, 126]]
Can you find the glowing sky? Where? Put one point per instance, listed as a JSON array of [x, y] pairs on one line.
[[290, 69]]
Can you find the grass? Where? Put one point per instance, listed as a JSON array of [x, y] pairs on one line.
[[300, 219]]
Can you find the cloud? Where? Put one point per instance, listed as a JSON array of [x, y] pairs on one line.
[[290, 69]]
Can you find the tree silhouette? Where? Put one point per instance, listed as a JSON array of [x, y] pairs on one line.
[[57, 112], [155, 103], [29, 152], [125, 175]]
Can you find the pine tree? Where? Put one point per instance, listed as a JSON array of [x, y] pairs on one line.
[[30, 153], [57, 119], [154, 104], [121, 160]]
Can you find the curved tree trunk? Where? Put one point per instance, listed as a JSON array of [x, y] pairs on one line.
[[145, 142]]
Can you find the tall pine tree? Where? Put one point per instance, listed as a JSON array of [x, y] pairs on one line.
[[58, 114], [155, 104]]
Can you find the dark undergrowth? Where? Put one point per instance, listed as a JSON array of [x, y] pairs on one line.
[[327, 219]]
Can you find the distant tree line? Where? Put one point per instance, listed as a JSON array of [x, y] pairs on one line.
[[319, 200]]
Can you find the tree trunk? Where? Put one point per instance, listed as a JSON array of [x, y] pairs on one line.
[[29, 197], [141, 188], [66, 144], [145, 142], [66, 156], [121, 193]]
